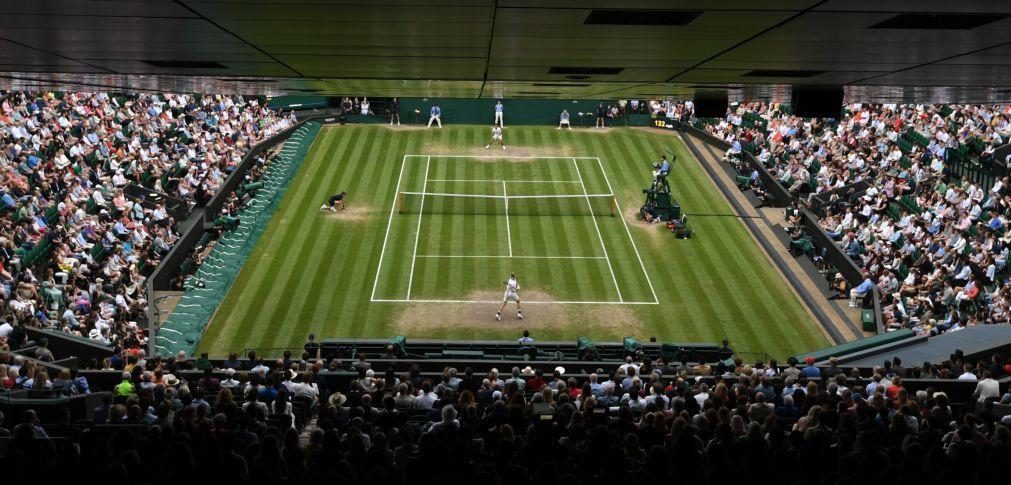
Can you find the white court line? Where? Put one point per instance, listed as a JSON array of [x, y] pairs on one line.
[[499, 156], [497, 256], [509, 234], [508, 181], [389, 223], [627, 231], [486, 196], [597, 227], [417, 236], [525, 302]]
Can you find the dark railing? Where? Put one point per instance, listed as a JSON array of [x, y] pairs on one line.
[[820, 200], [233, 180], [177, 208], [832, 252], [780, 196], [1000, 156], [168, 269], [978, 174], [845, 265], [65, 345]]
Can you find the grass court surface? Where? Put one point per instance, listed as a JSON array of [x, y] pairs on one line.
[[435, 223], [460, 224]]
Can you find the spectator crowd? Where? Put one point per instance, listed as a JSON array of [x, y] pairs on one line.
[[76, 244], [646, 420], [933, 243]]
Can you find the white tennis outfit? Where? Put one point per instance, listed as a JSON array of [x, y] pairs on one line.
[[496, 134], [511, 292]]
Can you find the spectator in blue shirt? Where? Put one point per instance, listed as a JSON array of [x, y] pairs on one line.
[[734, 150], [436, 116], [861, 290], [996, 223], [810, 370], [8, 200]]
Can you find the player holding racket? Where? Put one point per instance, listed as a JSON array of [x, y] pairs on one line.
[[511, 294]]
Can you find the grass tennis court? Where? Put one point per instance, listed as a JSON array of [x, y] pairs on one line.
[[460, 224], [326, 273]]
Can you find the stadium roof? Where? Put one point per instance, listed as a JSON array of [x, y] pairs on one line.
[[880, 50]]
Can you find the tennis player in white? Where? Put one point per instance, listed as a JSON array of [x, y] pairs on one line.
[[511, 294], [496, 136]]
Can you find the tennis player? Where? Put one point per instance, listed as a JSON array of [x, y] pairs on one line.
[[511, 294], [496, 136], [334, 202]]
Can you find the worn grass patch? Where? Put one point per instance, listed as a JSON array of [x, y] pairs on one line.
[[358, 212], [656, 232], [320, 273], [422, 318]]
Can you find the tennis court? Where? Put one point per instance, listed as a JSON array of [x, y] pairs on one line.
[[471, 220], [320, 272]]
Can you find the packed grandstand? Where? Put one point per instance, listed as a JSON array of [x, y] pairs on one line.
[[78, 244], [933, 243]]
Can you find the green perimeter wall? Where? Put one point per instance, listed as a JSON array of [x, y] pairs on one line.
[[468, 111], [516, 112]]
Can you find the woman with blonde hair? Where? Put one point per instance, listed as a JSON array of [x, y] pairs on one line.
[[41, 380], [549, 396], [720, 392]]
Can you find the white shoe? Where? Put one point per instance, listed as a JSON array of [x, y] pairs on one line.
[[322, 207], [498, 316], [853, 305], [519, 315], [503, 147], [333, 209], [487, 147]]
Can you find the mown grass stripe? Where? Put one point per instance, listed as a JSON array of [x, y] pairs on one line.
[[721, 276]]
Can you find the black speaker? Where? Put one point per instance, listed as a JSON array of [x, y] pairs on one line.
[[710, 104], [817, 101]]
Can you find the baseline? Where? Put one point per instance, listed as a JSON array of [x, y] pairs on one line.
[[525, 302]]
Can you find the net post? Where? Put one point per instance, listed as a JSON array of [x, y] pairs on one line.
[[614, 205], [400, 202]]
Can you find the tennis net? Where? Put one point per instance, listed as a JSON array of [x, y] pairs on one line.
[[513, 205]]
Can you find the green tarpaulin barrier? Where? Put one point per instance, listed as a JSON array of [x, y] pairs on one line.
[[206, 288]]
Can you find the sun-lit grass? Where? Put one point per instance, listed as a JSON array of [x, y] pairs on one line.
[[313, 271]]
